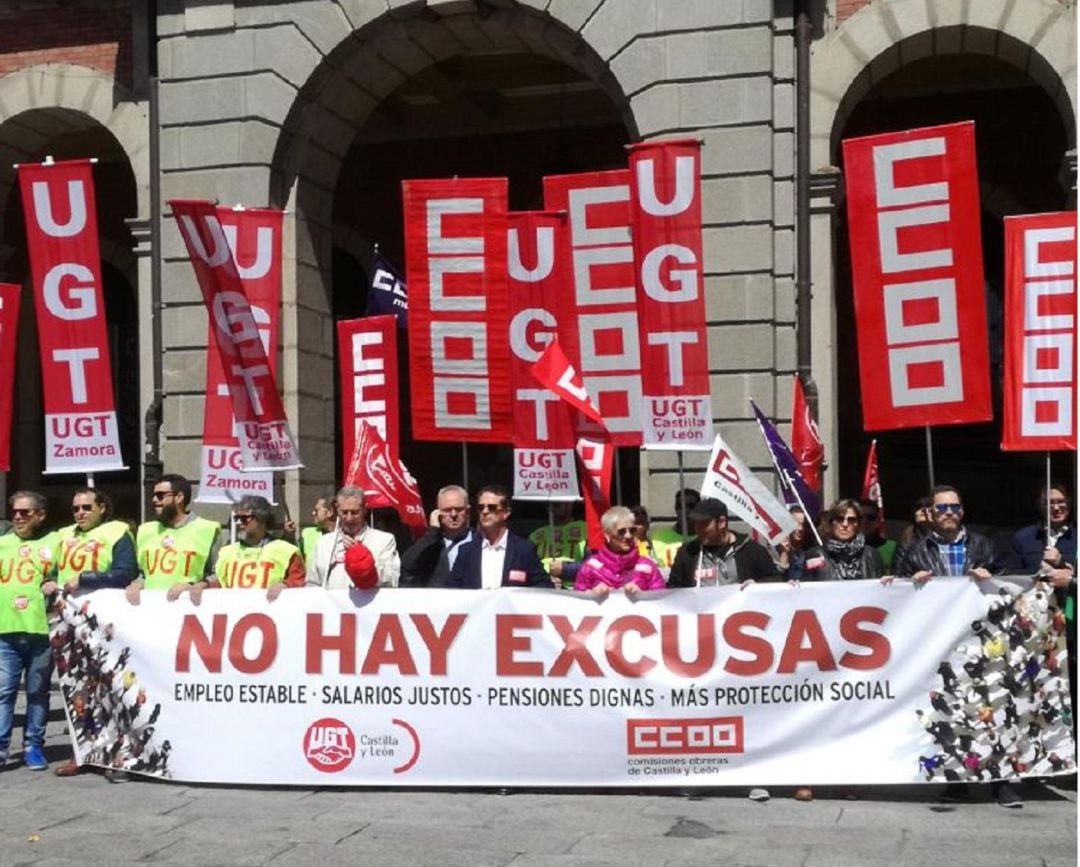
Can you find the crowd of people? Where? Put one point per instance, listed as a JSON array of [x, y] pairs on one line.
[[179, 553]]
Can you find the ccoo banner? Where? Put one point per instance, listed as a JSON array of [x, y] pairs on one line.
[[1040, 332], [254, 237], [916, 259], [831, 683], [368, 367], [81, 434], [455, 255], [665, 212]]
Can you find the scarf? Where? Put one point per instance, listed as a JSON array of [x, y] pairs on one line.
[[846, 557]]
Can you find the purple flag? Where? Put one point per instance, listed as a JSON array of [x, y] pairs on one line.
[[387, 295], [787, 467]]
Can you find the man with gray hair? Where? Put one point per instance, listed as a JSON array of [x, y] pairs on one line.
[[327, 565], [428, 561], [256, 559]]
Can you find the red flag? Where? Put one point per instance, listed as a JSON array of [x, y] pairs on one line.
[[916, 260], [9, 322], [81, 433], [806, 442], [384, 479], [554, 371], [266, 440], [597, 461], [871, 486], [1040, 332], [665, 213]]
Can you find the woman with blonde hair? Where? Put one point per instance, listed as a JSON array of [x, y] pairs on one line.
[[617, 564]]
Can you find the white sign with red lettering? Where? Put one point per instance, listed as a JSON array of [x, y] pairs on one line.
[[81, 433]]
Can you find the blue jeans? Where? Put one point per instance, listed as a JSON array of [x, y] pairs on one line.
[[19, 652]]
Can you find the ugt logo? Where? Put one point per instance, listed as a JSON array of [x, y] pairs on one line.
[[329, 745]]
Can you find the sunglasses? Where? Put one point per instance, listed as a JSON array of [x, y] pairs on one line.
[[23, 513], [942, 508], [243, 519], [161, 495], [847, 519], [487, 507], [625, 531], [82, 507], [1058, 504]]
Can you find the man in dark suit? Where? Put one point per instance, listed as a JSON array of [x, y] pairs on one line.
[[495, 557], [428, 561]]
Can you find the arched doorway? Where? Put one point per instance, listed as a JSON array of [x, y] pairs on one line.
[[496, 102], [1021, 144], [64, 133]]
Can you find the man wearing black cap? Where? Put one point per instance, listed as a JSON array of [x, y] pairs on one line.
[[719, 556]]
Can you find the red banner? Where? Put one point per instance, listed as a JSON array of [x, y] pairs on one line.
[[916, 258], [455, 248], [871, 486], [598, 462], [266, 440], [806, 442], [254, 237], [368, 366], [9, 334], [384, 479], [601, 328], [1040, 332], [665, 212], [538, 268], [81, 434]]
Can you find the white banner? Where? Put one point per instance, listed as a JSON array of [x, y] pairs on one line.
[[832, 683], [545, 474], [729, 480]]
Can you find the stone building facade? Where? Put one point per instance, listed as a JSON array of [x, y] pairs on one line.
[[322, 107]]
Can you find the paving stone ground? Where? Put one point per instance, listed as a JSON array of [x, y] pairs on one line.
[[88, 820]]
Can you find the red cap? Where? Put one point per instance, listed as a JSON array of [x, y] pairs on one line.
[[360, 567]]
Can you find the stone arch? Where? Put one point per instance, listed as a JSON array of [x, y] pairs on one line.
[[338, 97], [1035, 36], [62, 91]]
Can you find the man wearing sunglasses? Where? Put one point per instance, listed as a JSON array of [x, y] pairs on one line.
[[255, 559], [95, 551], [428, 561], [495, 557], [177, 552], [950, 548], [27, 568]]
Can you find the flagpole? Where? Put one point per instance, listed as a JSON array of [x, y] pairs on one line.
[[465, 465], [802, 505], [679, 496], [90, 476], [930, 456], [1048, 527], [618, 476]]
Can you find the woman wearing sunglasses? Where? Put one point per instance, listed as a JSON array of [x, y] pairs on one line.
[[845, 556], [618, 565]]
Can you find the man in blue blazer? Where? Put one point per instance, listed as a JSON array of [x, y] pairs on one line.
[[495, 557]]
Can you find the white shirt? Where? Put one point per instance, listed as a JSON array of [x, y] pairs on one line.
[[492, 557], [327, 565]]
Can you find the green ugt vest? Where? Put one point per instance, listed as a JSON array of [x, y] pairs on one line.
[[241, 565], [24, 565], [568, 542], [79, 552], [173, 555]]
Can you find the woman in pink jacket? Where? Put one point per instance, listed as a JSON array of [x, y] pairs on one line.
[[617, 564]]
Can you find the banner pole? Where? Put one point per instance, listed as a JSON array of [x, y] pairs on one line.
[[465, 466], [678, 496], [930, 456], [232, 525], [618, 475], [90, 479], [1048, 528], [551, 529]]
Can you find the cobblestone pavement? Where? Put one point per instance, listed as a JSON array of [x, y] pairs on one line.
[[88, 820]]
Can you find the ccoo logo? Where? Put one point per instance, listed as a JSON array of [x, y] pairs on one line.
[[329, 745]]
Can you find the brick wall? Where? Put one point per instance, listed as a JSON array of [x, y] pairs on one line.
[[99, 38]]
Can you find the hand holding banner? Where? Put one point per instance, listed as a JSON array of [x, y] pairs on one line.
[[729, 480], [266, 440]]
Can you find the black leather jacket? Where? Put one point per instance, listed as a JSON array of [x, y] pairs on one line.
[[923, 556]]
